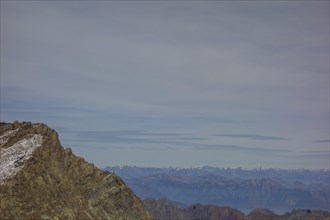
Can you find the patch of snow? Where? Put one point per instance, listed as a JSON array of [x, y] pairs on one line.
[[12, 158], [5, 137]]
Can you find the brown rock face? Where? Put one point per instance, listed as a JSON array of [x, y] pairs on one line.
[[39, 179], [263, 214], [163, 209]]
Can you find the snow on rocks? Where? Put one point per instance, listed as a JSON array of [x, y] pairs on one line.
[[5, 137], [12, 158]]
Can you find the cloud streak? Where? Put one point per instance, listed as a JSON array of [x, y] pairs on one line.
[[240, 148], [322, 141], [131, 137], [253, 137], [136, 138]]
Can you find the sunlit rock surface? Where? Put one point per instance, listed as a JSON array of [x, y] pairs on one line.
[[39, 179]]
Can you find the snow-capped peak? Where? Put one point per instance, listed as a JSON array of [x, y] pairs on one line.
[[12, 158]]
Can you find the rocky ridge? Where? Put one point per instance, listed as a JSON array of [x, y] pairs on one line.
[[39, 179], [163, 209]]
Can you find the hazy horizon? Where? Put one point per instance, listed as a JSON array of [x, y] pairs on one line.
[[172, 83], [220, 167]]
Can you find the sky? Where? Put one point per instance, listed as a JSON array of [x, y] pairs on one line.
[[172, 83]]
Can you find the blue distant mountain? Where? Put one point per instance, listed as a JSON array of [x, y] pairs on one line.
[[276, 189]]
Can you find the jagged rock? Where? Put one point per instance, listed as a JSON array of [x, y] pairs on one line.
[[263, 214], [163, 209], [39, 179]]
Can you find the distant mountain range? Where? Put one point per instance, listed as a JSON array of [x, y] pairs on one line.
[[163, 209], [276, 189]]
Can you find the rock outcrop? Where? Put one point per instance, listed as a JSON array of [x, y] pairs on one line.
[[39, 179], [163, 209], [263, 214]]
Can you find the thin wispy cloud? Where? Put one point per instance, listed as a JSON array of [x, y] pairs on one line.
[[131, 136], [322, 141], [315, 154], [253, 137], [240, 148], [136, 138]]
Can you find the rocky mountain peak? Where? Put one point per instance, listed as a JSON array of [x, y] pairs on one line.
[[39, 179], [17, 144]]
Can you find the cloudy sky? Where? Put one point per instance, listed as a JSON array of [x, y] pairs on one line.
[[172, 83]]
